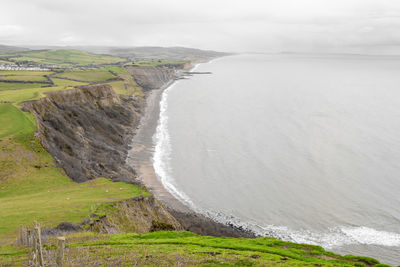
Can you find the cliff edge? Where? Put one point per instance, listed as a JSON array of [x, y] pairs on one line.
[[87, 130], [150, 78]]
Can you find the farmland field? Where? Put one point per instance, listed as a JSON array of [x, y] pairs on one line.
[[66, 57], [35, 78], [154, 63], [24, 72], [68, 83], [129, 86], [12, 86], [88, 75], [118, 87]]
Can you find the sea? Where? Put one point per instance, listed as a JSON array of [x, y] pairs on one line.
[[302, 147]]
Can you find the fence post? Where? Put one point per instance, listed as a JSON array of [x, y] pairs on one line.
[[38, 244], [34, 245], [28, 237], [21, 236], [60, 251]]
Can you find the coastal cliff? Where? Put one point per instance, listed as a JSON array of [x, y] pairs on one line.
[[87, 130], [150, 78], [141, 214]]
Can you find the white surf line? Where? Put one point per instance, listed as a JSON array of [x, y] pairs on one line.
[[162, 152]]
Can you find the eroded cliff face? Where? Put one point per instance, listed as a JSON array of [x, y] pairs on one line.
[[150, 78], [87, 131], [136, 215]]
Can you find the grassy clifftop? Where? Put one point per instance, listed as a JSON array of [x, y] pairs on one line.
[[166, 248]]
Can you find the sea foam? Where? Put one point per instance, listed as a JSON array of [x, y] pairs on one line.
[[331, 238], [162, 152]]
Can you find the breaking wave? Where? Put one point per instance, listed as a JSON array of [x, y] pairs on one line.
[[162, 152], [331, 238]]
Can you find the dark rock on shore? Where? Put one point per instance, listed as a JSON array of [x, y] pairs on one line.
[[199, 224], [197, 72]]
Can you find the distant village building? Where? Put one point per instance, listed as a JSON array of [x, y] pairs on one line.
[[5, 66]]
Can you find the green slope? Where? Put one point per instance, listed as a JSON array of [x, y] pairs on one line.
[[188, 249]]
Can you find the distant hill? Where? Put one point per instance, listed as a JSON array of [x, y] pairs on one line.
[[98, 55], [12, 49], [63, 58], [176, 53], [145, 52]]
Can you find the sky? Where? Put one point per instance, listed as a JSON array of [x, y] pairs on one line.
[[360, 26]]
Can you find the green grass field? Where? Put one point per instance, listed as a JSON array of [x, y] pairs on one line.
[[67, 83], [66, 57], [20, 95], [118, 87], [38, 60], [95, 75], [154, 63], [13, 86], [14, 122], [24, 72], [24, 75], [132, 87], [223, 250], [126, 87], [55, 202], [187, 249], [34, 78], [116, 69]]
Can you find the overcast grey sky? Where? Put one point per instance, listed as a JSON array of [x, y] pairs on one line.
[[227, 25]]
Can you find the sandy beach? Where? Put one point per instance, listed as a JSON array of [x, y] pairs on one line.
[[142, 148]]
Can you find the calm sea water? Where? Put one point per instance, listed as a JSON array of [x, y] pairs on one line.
[[304, 148]]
